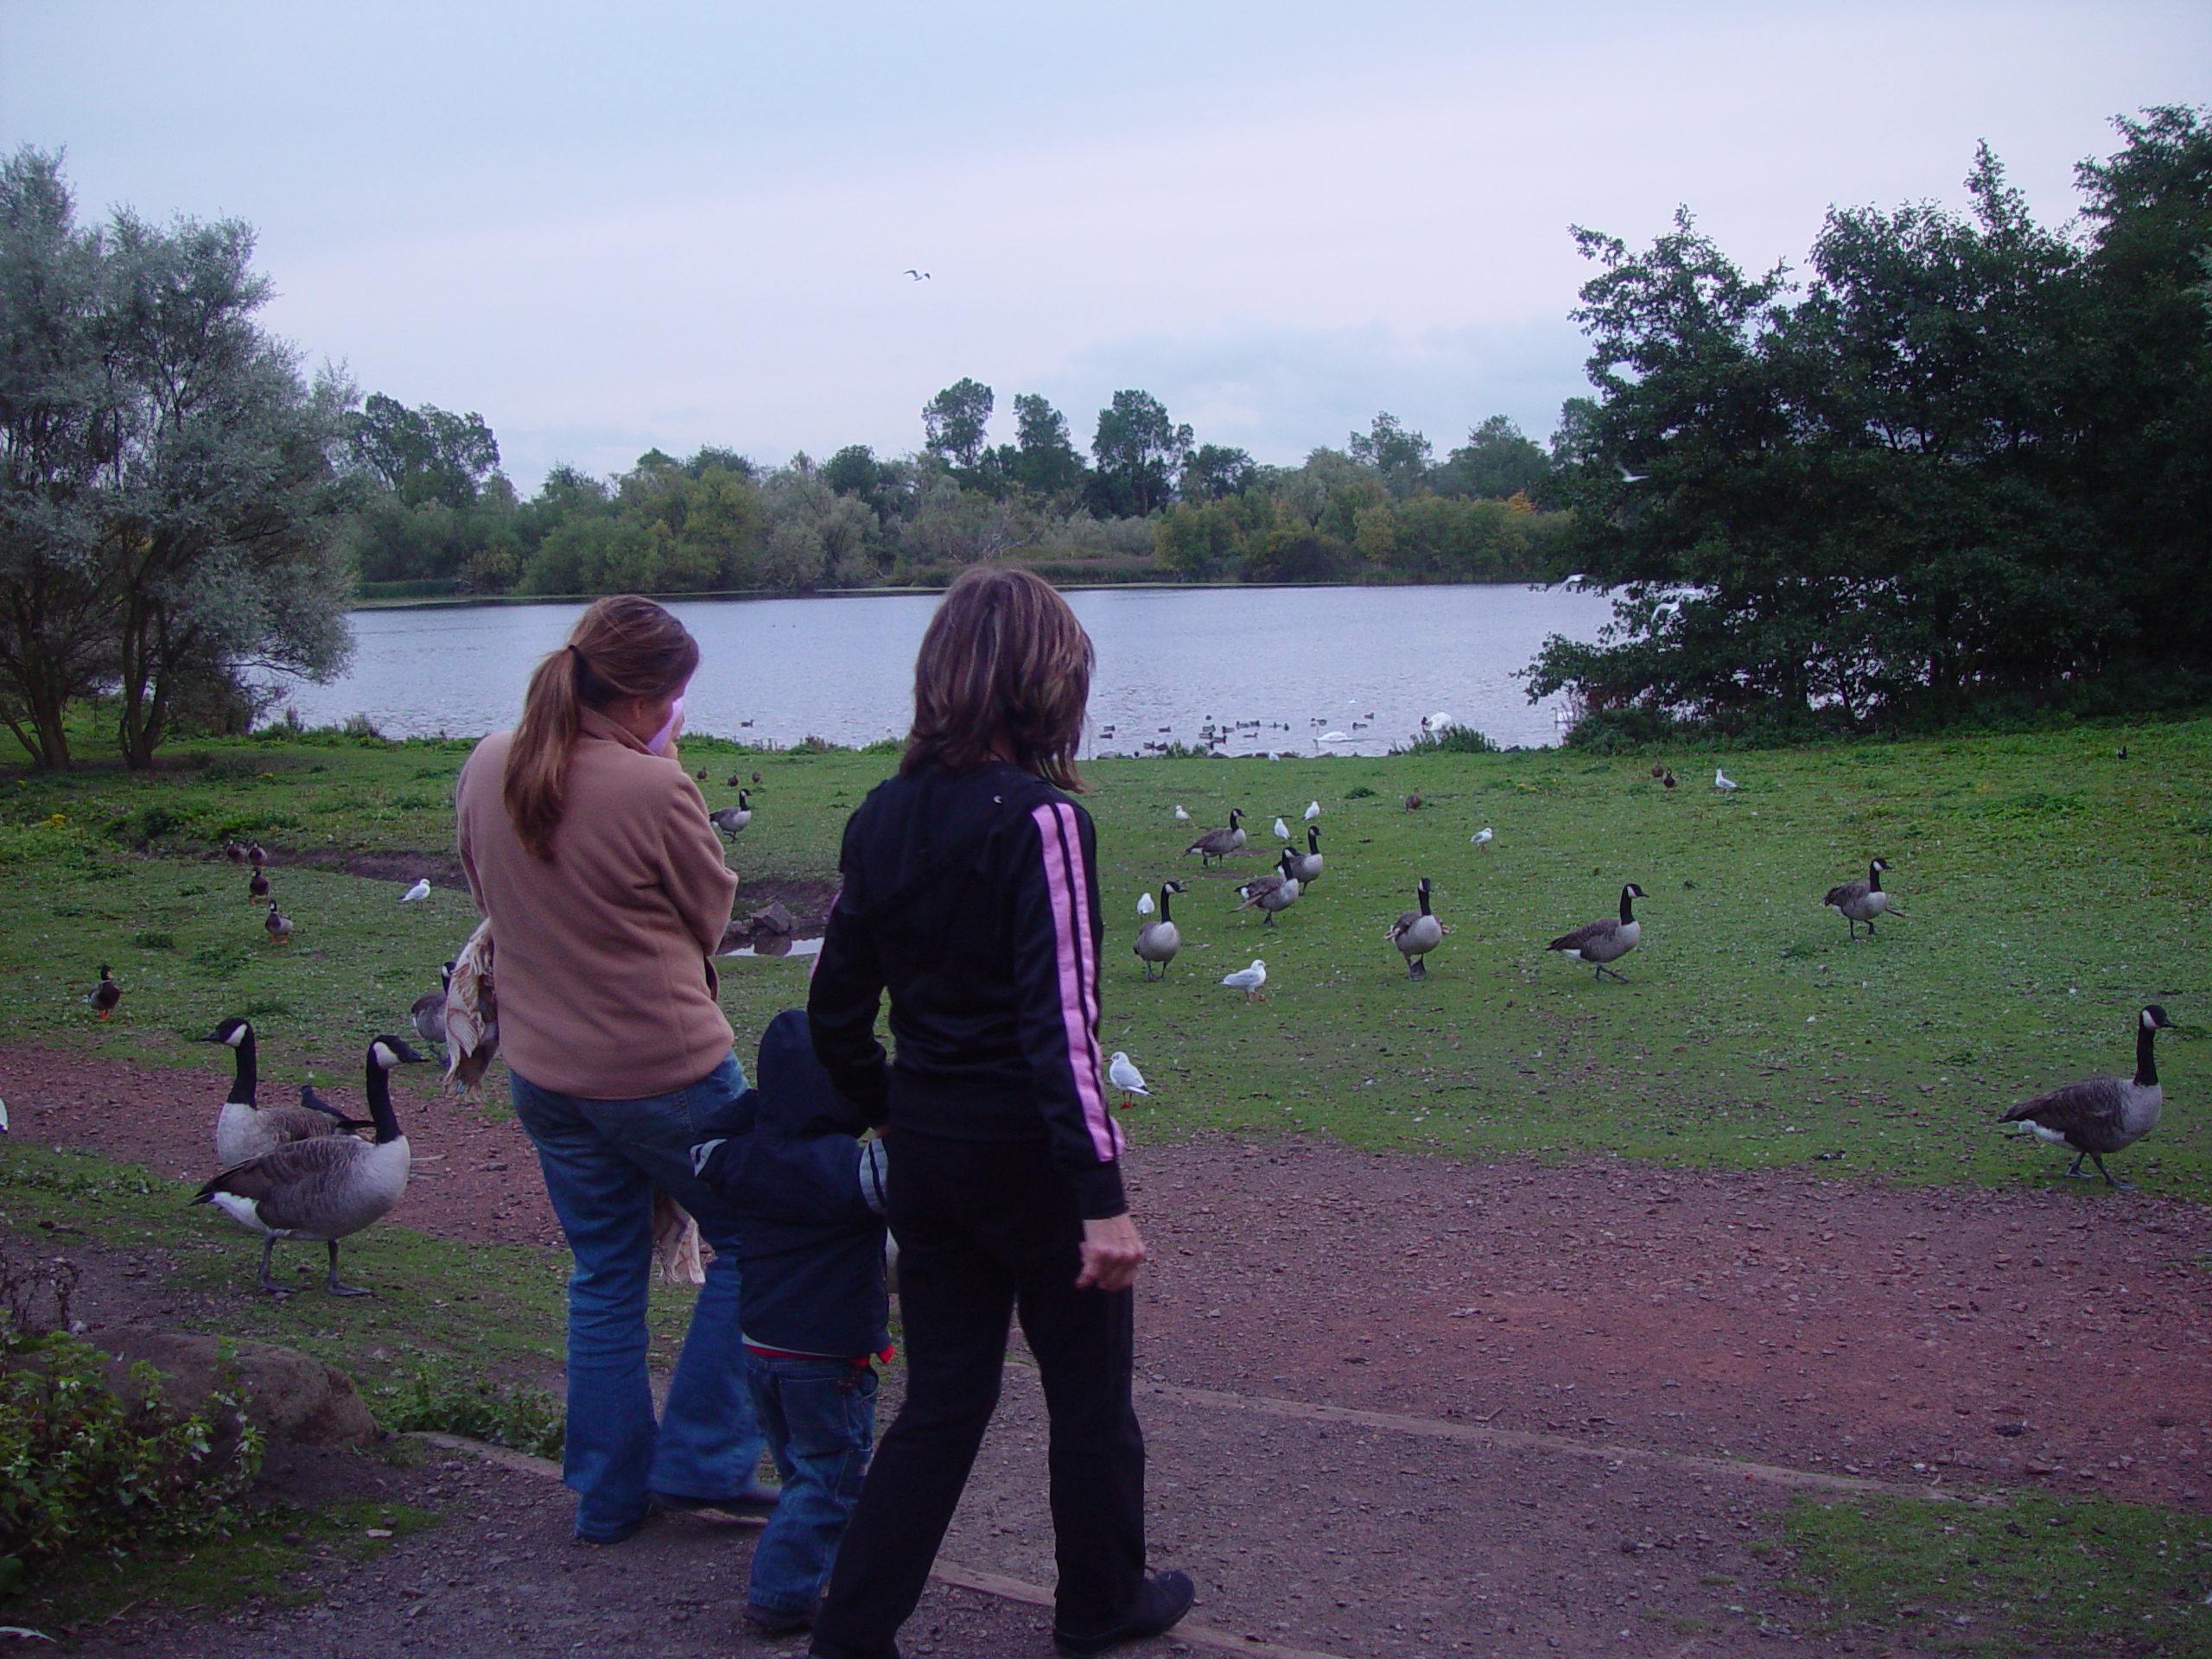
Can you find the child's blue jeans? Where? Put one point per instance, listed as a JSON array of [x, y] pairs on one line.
[[818, 1417]]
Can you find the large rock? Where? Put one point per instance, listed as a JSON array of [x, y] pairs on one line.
[[288, 1394]]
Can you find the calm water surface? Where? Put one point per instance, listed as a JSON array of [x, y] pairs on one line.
[[1365, 663]]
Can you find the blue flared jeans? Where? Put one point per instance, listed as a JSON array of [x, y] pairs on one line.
[[601, 1159]]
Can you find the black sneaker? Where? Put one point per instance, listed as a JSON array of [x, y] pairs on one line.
[[771, 1622], [1161, 1602], [759, 1498]]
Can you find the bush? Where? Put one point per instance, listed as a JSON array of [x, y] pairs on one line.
[[1453, 738], [435, 1400]]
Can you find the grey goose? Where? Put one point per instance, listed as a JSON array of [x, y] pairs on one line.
[[243, 1129], [1608, 940], [1159, 939], [1276, 891], [1218, 844], [2102, 1114], [1416, 933], [1861, 901], [1306, 866]]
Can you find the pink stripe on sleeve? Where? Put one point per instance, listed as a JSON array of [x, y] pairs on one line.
[[1076, 963]]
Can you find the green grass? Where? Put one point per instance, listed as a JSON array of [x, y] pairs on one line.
[[2050, 889], [2035, 1575]]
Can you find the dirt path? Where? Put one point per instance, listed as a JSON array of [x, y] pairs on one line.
[[1399, 1405]]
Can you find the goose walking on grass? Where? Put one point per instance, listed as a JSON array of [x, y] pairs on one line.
[[731, 819], [1608, 940], [1861, 901], [1272, 892], [1126, 1077], [1416, 933], [1158, 941], [325, 1189], [243, 1129], [1249, 980], [2102, 1114], [1306, 866], [278, 923], [1216, 844], [104, 997]]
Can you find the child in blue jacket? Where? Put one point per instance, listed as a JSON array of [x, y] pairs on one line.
[[809, 1198]]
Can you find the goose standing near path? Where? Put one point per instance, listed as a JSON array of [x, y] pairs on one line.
[[325, 1189], [2102, 1114], [1277, 891], [1249, 980], [105, 996], [731, 819], [1608, 940], [1416, 933], [1306, 866], [245, 1129], [1158, 941], [1861, 901], [1217, 844]]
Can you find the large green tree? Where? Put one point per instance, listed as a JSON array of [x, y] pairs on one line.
[[956, 421], [1140, 450]]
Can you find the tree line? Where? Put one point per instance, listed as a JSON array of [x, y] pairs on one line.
[[1146, 501], [1961, 467]]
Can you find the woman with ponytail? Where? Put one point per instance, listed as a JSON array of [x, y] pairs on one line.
[[588, 846]]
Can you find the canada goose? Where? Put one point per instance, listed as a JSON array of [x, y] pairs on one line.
[[1126, 1077], [1416, 933], [1481, 838], [1861, 901], [1313, 811], [104, 996], [254, 855], [1306, 866], [278, 923], [415, 894], [428, 1014], [1218, 844], [314, 1102], [257, 887], [2102, 1114], [1158, 942], [327, 1188], [731, 819], [1600, 942], [1274, 892], [245, 1129], [1249, 980]]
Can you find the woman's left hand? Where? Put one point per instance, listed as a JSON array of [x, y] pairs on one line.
[[1113, 1250]]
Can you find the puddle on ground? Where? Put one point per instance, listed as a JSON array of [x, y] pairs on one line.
[[778, 947]]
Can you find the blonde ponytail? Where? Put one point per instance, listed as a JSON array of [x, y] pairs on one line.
[[622, 646]]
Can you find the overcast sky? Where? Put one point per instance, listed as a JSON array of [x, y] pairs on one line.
[[612, 227]]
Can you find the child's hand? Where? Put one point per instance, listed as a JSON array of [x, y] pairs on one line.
[[1113, 1250]]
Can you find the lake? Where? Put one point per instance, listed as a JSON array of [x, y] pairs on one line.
[[1294, 665]]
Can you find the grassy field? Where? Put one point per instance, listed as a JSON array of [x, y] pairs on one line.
[[2049, 889]]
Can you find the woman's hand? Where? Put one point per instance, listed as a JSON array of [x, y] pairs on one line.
[[1113, 1250]]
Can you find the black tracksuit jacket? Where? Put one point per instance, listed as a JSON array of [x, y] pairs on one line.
[[972, 897]]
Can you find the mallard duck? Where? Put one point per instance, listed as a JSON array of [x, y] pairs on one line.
[[1158, 942], [1861, 901], [1609, 940], [1412, 801], [278, 923], [1666, 780], [104, 996], [326, 1188], [1306, 866], [1416, 933], [1126, 1077], [2102, 1114], [243, 1129], [235, 851], [1249, 980], [1218, 844], [257, 887], [254, 855], [1273, 892], [731, 819]]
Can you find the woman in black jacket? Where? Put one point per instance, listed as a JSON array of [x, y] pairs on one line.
[[970, 895]]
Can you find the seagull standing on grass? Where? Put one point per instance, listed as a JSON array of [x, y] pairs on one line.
[[1144, 904], [1248, 980], [1181, 816], [1481, 838], [419, 891], [1126, 1077], [1313, 811], [1282, 831], [1722, 780]]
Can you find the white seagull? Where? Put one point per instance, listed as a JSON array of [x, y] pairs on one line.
[[1313, 811], [421, 890], [1181, 816], [1481, 838], [1144, 904], [1248, 980], [1627, 477], [1722, 780], [1282, 831], [1126, 1077], [1435, 722]]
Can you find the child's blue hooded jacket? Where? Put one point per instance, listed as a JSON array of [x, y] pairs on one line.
[[810, 1248]]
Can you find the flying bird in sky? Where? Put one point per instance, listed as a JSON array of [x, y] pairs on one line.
[[919, 275]]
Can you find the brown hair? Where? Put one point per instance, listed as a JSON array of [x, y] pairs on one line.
[[622, 646], [1003, 661]]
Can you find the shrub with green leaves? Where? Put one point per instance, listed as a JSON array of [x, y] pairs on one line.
[[1452, 738], [436, 1400]]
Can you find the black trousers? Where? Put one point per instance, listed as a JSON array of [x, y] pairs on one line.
[[987, 1230]]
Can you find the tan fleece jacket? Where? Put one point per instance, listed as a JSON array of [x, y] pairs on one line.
[[605, 983]]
